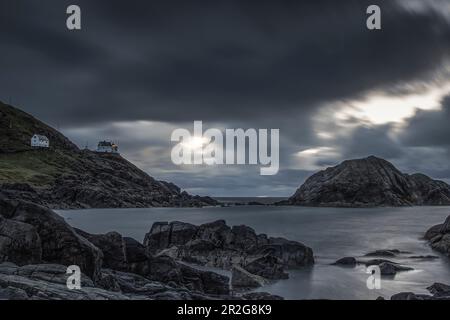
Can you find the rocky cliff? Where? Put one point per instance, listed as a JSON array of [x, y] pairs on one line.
[[63, 176], [369, 182]]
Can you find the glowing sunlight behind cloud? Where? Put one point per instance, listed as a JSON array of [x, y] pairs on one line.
[[382, 109]]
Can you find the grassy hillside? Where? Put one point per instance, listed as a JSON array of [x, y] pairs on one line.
[[36, 167], [17, 128]]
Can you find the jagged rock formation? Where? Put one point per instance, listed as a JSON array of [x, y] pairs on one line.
[[218, 245], [439, 237], [37, 246], [43, 237], [369, 182], [48, 282], [63, 176]]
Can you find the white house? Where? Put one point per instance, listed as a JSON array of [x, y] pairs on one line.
[[40, 141], [107, 147]]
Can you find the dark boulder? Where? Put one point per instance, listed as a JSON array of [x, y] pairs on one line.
[[439, 289], [439, 237], [390, 269], [167, 270], [58, 241], [216, 244], [126, 254], [407, 296], [382, 253], [19, 242], [387, 268], [163, 235], [346, 261], [113, 247], [242, 279], [268, 267]]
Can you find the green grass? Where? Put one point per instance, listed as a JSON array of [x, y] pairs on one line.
[[36, 167]]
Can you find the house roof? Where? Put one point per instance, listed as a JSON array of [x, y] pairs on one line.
[[41, 137], [105, 144]]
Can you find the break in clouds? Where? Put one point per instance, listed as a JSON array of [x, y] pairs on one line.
[[138, 70]]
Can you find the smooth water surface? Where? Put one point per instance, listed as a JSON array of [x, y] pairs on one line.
[[332, 234]]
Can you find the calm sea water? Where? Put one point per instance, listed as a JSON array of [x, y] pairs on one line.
[[331, 233]]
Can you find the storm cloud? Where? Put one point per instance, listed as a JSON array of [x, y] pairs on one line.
[[138, 69]]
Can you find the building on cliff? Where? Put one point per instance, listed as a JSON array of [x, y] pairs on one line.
[[107, 147], [40, 141]]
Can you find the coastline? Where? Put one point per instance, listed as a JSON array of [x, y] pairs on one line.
[[326, 252]]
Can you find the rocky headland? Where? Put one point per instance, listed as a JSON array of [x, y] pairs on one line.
[[369, 182], [63, 176]]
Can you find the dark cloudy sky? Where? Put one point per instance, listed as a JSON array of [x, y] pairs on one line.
[[139, 69]]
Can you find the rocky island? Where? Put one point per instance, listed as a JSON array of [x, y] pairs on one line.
[[369, 182]]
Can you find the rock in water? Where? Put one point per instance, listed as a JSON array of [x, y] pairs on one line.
[[369, 182], [439, 237], [439, 289], [346, 261], [387, 268]]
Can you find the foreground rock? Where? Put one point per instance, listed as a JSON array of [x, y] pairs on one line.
[[387, 267], [218, 245], [128, 255], [38, 246], [369, 182], [346, 261], [241, 278], [44, 282], [48, 282], [32, 234], [439, 237], [438, 291]]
